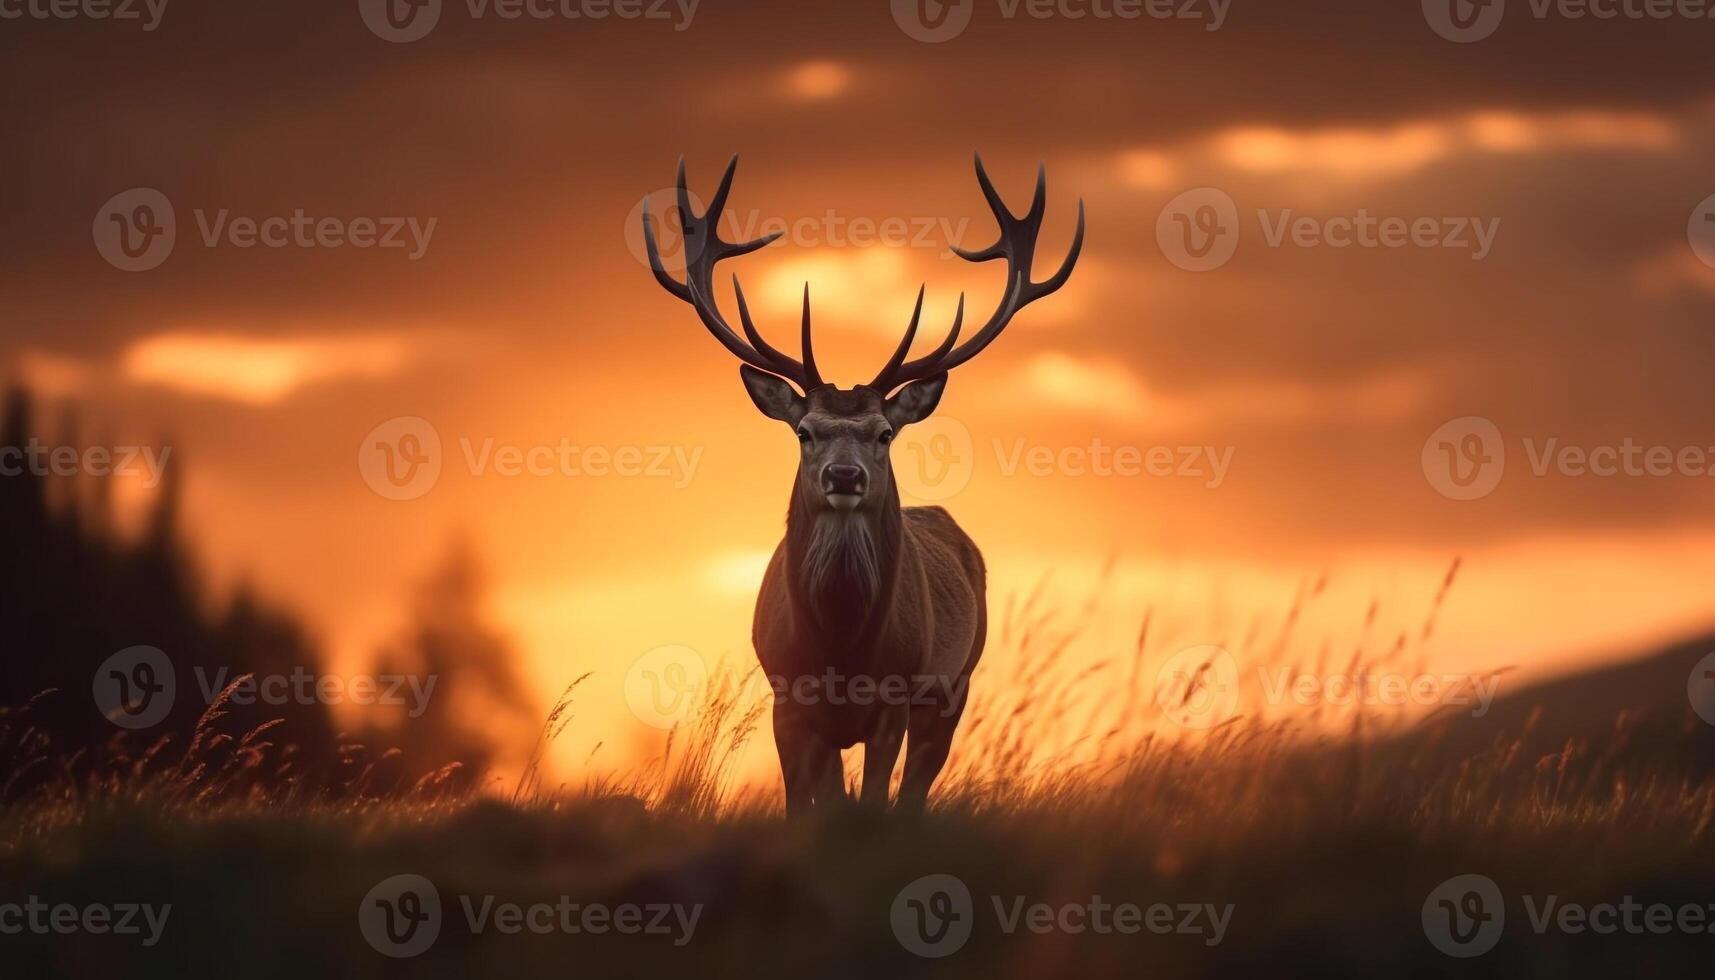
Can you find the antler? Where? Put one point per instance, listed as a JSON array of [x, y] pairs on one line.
[[1017, 244], [704, 248]]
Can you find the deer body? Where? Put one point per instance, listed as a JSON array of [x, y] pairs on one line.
[[882, 611], [871, 616]]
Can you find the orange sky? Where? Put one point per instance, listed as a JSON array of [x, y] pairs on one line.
[[1313, 374]]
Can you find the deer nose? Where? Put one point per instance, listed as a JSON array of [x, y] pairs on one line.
[[842, 478]]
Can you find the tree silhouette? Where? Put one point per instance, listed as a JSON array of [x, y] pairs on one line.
[[73, 592]]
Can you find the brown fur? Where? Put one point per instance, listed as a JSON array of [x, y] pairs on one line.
[[862, 590], [921, 618]]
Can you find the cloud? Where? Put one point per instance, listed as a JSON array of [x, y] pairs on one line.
[[256, 371], [817, 81], [1398, 148], [1104, 387], [1676, 266], [55, 375]]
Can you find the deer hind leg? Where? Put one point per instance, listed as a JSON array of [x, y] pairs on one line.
[[931, 726], [880, 752]]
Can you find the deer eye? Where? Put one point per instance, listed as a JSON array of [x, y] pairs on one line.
[[804, 435], [885, 437]]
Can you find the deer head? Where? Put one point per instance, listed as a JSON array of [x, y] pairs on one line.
[[846, 434]]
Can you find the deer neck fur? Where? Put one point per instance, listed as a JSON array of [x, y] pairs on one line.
[[841, 569]]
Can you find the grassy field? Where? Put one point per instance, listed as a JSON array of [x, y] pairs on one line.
[[1320, 880], [1259, 846]]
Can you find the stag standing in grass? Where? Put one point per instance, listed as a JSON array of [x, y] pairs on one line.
[[871, 616]]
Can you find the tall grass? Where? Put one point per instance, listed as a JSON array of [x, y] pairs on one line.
[[1049, 736]]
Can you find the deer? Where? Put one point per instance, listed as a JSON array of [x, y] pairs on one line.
[[871, 616]]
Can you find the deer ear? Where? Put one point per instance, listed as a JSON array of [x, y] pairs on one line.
[[915, 401], [773, 396]]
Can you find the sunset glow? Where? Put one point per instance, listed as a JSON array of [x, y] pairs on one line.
[[1312, 369]]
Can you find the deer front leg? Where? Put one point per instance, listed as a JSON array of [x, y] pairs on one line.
[[880, 752], [805, 760]]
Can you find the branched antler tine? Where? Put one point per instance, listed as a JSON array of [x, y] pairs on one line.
[[1058, 279], [683, 189], [812, 377], [1039, 203], [996, 205], [705, 248], [1016, 244], [704, 305], [762, 346], [994, 251], [898, 357], [730, 250], [717, 204], [952, 337], [935, 355], [896, 374], [667, 282]]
